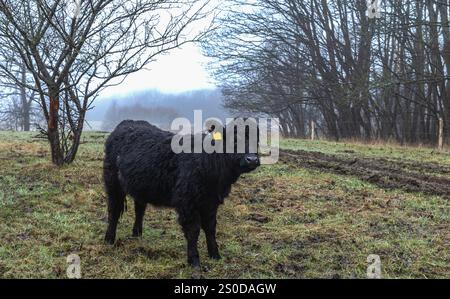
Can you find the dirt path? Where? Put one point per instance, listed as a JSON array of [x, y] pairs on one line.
[[405, 175]]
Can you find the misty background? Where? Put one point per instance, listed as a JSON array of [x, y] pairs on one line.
[[157, 107]]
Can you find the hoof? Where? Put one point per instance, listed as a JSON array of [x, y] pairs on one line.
[[110, 240], [215, 256], [136, 234], [194, 263]]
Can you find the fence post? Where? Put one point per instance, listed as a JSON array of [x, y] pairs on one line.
[[313, 129], [441, 134]]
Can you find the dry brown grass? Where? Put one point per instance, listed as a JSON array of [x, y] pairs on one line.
[[279, 222]]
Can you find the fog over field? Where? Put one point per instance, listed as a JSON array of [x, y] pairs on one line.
[[156, 107]]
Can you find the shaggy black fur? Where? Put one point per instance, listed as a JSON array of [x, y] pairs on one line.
[[139, 161]]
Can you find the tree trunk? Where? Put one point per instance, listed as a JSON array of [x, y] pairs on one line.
[[26, 105], [53, 133], [76, 139]]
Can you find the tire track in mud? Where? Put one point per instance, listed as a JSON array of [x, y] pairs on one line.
[[423, 167], [381, 172]]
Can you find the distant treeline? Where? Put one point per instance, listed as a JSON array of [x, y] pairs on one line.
[[159, 108], [328, 61]]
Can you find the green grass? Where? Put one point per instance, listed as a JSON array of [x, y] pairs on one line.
[[370, 150], [280, 221]]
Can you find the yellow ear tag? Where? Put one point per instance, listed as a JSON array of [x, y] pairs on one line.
[[217, 136]]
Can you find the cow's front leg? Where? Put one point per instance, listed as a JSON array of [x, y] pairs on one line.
[[139, 209], [190, 222], [208, 220]]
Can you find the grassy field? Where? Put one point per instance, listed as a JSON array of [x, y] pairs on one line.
[[299, 218]]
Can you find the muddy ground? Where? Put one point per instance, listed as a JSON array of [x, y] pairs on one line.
[[410, 176], [309, 217]]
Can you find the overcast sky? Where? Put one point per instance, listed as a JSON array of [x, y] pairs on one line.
[[180, 70]]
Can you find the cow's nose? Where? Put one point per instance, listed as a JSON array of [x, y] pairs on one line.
[[252, 159]]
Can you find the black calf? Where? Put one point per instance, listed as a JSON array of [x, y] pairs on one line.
[[139, 161]]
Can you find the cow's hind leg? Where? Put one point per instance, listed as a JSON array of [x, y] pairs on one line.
[[189, 220], [139, 209], [116, 203], [208, 220]]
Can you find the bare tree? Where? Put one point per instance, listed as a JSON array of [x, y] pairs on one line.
[[72, 54], [18, 109], [359, 77]]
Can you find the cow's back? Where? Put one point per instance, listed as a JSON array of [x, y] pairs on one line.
[[142, 155], [128, 134]]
